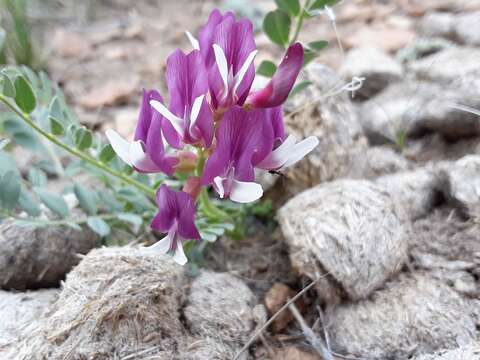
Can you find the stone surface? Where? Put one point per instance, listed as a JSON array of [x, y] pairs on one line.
[[351, 230], [438, 24], [113, 92], [461, 183], [377, 161], [414, 314], [385, 37], [20, 312], [115, 303], [467, 29], [467, 352], [32, 258], [450, 65], [275, 298], [378, 68], [220, 307], [417, 190], [326, 112], [417, 107]]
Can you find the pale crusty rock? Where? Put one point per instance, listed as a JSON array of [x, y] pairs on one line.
[[467, 352], [32, 258], [438, 24], [20, 313], [221, 307], [467, 29], [116, 302], [377, 161], [445, 239], [377, 67], [449, 65], [416, 107], [412, 315], [351, 230], [324, 111], [417, 190], [461, 183]]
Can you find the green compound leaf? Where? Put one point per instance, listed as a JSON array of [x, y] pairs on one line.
[[292, 7], [267, 68], [24, 96], [54, 202], [10, 189], [106, 154], [98, 225], [277, 27], [86, 199]]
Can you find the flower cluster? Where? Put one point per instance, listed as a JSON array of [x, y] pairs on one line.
[[216, 123]]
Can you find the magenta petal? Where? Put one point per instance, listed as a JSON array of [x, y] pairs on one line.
[[239, 136], [176, 211], [167, 210], [186, 80], [207, 34], [204, 124], [155, 148], [145, 116], [277, 90]]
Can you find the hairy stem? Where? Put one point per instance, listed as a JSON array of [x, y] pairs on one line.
[[85, 157]]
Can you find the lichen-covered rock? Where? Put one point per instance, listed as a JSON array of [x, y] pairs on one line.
[[467, 29], [461, 183], [115, 303], [351, 230], [438, 24], [467, 352], [20, 313], [377, 67], [376, 161], [221, 307], [417, 190], [323, 111], [32, 258], [414, 314], [449, 65], [445, 240], [413, 108]]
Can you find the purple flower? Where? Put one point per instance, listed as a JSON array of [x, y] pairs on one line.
[[228, 49], [283, 152], [277, 90], [146, 153], [176, 218], [189, 117], [243, 138]]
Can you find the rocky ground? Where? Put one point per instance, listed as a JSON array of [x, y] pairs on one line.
[[383, 219]]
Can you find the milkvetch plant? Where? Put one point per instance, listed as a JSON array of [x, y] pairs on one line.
[[215, 122], [214, 132]]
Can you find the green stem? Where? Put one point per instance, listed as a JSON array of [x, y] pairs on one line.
[[300, 18], [85, 157], [210, 209]]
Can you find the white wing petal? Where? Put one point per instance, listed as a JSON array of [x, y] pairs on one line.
[[221, 61], [193, 41], [218, 181], [243, 70], [176, 122], [301, 149], [179, 256], [197, 104], [119, 145], [279, 156], [245, 192]]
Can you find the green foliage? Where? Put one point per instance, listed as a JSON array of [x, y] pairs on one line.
[[54, 202], [278, 23], [267, 68], [24, 96], [10, 185], [98, 225], [16, 39], [86, 199], [291, 7], [276, 26]]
